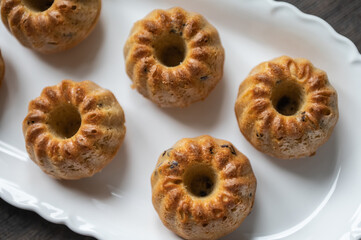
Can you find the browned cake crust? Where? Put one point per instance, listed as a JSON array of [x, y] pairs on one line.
[[73, 130], [174, 57], [50, 26], [203, 188], [287, 108], [2, 69]]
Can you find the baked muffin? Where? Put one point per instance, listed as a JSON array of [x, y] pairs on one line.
[[2, 69], [50, 26], [174, 57], [203, 188], [74, 129], [286, 108]]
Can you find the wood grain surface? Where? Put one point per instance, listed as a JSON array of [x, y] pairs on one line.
[[343, 15]]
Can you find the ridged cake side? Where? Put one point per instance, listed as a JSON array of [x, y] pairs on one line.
[[65, 24], [211, 216], [295, 136], [194, 77], [92, 147]]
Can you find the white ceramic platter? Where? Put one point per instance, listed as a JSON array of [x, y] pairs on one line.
[[312, 198]]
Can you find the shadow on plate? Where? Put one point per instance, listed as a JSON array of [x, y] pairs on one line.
[[204, 114], [315, 170], [102, 184], [77, 62]]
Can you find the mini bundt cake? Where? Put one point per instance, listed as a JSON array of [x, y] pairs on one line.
[[203, 188], [50, 26], [74, 129], [174, 57], [2, 69], [287, 108]]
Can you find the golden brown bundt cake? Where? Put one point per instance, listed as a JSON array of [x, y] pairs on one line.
[[203, 188], [286, 108], [2, 69], [174, 57], [50, 26], [73, 129]]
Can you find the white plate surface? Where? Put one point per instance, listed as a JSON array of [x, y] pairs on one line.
[[312, 198]]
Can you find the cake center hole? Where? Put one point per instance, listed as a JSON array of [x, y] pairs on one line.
[[38, 5], [287, 97], [199, 180], [64, 121], [170, 49]]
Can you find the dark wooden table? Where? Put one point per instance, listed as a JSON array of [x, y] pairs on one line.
[[343, 15]]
